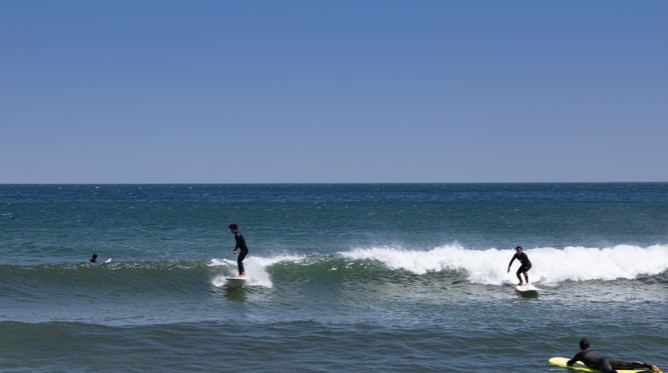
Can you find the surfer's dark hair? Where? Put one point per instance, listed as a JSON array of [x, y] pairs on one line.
[[584, 344], [519, 247], [233, 226]]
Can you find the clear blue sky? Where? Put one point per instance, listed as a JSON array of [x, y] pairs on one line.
[[138, 91]]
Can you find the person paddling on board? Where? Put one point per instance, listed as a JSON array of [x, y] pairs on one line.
[[593, 359], [240, 246], [524, 267], [93, 259]]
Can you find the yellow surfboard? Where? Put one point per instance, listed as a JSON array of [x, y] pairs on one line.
[[561, 361]]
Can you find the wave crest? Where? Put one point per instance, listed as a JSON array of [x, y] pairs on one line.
[[550, 265]]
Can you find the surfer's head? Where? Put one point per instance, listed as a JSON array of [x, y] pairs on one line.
[[518, 249], [584, 344], [233, 227]]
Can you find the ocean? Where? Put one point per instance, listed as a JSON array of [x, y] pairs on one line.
[[340, 277]]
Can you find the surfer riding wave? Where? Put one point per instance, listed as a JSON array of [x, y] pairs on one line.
[[524, 267]]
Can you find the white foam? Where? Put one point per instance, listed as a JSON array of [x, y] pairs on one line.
[[550, 265], [256, 269]]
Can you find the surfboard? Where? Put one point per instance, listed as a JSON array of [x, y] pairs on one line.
[[235, 282], [236, 279], [105, 262], [526, 288], [561, 361]]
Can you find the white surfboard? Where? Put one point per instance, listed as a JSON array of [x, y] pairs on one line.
[[235, 279], [526, 288], [105, 262]]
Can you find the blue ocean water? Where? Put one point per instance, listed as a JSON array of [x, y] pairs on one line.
[[341, 277]]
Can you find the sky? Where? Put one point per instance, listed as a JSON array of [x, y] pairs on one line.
[[164, 91]]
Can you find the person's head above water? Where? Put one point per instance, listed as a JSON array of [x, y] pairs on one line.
[[584, 343], [518, 249]]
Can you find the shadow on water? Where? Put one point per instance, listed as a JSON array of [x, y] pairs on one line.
[[230, 291], [235, 292], [528, 294]]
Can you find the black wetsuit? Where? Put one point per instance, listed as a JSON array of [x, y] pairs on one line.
[[593, 359], [243, 251], [526, 264]]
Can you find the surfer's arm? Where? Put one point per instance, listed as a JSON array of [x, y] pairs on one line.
[[236, 243], [511, 262], [575, 358]]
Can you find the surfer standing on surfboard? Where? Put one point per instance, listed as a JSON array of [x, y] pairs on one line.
[[524, 267], [593, 359], [240, 246]]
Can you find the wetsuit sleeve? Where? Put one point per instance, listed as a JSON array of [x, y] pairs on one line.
[[575, 358], [512, 260]]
